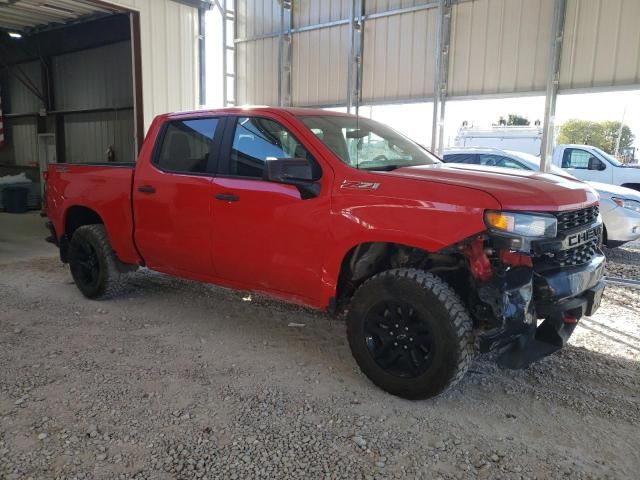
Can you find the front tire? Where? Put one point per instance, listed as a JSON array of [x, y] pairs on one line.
[[93, 264], [410, 333]]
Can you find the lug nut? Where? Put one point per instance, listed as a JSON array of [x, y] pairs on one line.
[[391, 333], [411, 339], [395, 344], [405, 347], [397, 325], [406, 329]]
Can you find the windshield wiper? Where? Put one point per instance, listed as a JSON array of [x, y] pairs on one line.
[[383, 168], [389, 168]]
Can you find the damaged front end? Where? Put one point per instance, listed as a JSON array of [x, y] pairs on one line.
[[531, 267]]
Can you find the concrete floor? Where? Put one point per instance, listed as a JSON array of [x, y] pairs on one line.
[[22, 237]]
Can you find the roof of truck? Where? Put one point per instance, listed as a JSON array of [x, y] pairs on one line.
[[298, 111]]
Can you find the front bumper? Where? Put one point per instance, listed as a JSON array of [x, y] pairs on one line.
[[520, 298], [562, 290]]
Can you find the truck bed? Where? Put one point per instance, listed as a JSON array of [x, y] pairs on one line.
[[102, 187]]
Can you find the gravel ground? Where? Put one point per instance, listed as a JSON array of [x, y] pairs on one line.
[[625, 261], [181, 380]]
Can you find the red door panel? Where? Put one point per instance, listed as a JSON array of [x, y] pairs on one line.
[[174, 224], [270, 238], [173, 198]]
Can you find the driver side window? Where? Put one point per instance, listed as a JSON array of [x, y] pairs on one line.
[[256, 140], [580, 159]]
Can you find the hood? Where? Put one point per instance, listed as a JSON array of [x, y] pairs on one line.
[[607, 190], [513, 189]]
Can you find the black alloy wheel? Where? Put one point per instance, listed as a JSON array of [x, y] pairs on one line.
[[398, 339]]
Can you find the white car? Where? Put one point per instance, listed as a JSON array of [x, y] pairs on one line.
[[619, 206]]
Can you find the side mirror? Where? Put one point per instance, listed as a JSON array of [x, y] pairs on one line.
[[595, 164], [292, 171]]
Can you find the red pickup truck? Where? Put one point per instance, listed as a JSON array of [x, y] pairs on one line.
[[431, 262]]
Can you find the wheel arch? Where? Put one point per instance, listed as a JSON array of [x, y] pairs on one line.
[[76, 216], [366, 259]]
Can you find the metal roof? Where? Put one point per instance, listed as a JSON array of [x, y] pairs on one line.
[[25, 15]]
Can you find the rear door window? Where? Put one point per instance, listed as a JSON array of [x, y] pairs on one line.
[[187, 145]]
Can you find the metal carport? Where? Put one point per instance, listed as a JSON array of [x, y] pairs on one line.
[[348, 52]]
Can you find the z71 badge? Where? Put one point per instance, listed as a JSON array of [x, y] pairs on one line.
[[355, 185]]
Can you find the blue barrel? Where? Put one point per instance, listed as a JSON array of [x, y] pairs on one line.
[[14, 199]]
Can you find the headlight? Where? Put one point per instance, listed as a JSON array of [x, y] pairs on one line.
[[630, 204], [522, 224]]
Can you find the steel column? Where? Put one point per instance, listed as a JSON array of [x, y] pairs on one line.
[[553, 81], [285, 53], [445, 37], [202, 57], [354, 80], [228, 20], [437, 78]]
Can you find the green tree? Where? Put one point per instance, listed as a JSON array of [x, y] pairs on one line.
[[514, 119], [599, 134], [517, 120], [610, 132], [581, 132]]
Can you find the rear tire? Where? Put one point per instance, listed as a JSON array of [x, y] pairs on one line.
[[93, 263], [410, 333]]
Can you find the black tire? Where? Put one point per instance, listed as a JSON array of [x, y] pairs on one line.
[[430, 309], [94, 266]]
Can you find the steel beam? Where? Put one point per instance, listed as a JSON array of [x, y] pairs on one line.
[[553, 81]]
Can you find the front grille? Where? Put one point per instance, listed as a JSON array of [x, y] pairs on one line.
[[575, 256], [568, 221], [576, 218]]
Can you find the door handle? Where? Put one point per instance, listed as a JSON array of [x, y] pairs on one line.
[[227, 197], [147, 189]]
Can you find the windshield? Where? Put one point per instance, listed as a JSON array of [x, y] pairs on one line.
[[613, 160], [363, 143]]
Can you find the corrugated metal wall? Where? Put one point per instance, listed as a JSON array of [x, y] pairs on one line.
[[257, 18], [89, 135], [399, 56], [97, 78], [320, 66], [312, 12], [20, 98], [94, 78], [169, 50], [21, 133], [257, 71], [499, 46], [22, 141], [601, 44]]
